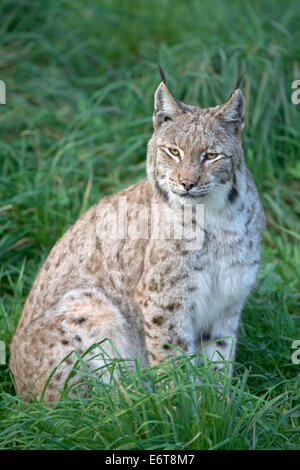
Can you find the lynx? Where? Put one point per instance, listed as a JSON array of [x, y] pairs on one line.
[[148, 293]]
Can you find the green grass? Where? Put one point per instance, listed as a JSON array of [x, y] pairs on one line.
[[80, 81]]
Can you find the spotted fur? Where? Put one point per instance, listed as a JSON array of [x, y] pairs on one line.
[[148, 294]]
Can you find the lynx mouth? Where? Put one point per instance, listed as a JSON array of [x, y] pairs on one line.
[[190, 195]]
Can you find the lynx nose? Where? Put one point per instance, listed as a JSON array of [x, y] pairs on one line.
[[188, 184]]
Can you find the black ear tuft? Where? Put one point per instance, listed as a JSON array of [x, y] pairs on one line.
[[239, 81], [232, 113], [162, 74], [166, 107]]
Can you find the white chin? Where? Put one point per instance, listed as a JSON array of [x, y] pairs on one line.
[[187, 199]]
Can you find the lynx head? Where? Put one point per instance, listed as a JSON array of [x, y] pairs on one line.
[[195, 153]]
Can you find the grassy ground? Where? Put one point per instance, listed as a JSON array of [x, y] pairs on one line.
[[80, 81]]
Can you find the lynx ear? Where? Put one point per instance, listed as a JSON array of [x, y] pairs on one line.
[[166, 107], [232, 113]]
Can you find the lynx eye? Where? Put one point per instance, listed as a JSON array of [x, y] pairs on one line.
[[211, 155], [174, 152]]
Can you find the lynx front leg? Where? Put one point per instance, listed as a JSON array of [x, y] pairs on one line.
[[162, 332], [222, 342], [165, 324]]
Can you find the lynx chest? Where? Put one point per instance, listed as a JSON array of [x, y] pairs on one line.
[[222, 274]]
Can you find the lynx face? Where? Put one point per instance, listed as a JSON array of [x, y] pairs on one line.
[[194, 153]]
